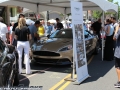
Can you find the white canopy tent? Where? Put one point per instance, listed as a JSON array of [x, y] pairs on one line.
[[62, 6]]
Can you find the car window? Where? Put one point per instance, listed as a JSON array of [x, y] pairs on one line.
[[87, 34], [62, 34]]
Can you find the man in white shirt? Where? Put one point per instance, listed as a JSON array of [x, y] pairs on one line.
[[3, 31]]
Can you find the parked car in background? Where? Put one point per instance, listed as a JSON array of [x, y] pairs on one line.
[[58, 47], [9, 75]]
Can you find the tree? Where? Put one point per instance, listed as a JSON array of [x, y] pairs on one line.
[[118, 9], [108, 13], [110, 1], [116, 3], [96, 14], [63, 16]]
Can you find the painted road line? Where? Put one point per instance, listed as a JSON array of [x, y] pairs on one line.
[[65, 85], [90, 59], [68, 82], [59, 83], [32, 75]]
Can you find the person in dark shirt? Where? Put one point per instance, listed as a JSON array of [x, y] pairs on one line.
[[96, 27], [58, 25], [22, 35], [14, 42]]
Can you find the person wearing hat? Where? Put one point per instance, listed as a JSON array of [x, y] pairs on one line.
[[58, 25], [3, 31]]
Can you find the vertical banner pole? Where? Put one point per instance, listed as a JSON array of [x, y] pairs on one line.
[[103, 37], [73, 73]]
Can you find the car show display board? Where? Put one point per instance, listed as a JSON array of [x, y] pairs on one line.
[[79, 50]]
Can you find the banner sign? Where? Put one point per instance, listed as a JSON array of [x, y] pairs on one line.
[[79, 49]]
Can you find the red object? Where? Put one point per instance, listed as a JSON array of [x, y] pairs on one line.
[[10, 36], [8, 28]]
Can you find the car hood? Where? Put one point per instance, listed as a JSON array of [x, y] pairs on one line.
[[55, 44]]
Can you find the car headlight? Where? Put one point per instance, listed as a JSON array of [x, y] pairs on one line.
[[33, 47], [69, 47]]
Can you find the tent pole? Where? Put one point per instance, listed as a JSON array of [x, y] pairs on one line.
[[103, 37], [65, 18], [37, 11]]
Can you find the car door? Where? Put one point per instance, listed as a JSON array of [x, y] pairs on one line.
[[87, 41]]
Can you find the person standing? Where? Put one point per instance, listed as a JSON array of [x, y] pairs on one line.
[[58, 25], [108, 50], [33, 30], [11, 27], [3, 31], [49, 29], [96, 27], [115, 25], [116, 38], [22, 34]]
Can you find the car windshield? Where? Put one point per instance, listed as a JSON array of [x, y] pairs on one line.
[[67, 33], [62, 34]]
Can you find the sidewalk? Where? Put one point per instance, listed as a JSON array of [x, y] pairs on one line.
[[103, 76]]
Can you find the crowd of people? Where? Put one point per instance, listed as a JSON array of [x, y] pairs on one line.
[[23, 36], [112, 41]]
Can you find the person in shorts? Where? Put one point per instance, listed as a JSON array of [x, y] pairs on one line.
[[117, 54]]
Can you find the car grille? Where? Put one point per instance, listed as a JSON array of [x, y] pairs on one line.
[[45, 60], [45, 53], [41, 60]]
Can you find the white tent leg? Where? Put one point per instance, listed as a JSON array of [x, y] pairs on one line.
[[103, 37], [65, 18], [37, 11]]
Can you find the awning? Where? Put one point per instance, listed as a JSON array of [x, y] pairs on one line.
[[61, 5]]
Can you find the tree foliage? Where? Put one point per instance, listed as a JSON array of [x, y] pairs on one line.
[[96, 14], [108, 13], [110, 1]]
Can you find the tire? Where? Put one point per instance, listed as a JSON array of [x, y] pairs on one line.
[[16, 79]]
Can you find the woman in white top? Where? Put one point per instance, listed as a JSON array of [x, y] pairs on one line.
[[108, 50]]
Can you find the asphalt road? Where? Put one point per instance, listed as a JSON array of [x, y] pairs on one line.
[[103, 76]]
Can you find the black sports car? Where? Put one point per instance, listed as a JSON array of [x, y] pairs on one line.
[[9, 75]]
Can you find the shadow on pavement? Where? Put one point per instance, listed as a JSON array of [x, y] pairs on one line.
[[24, 81], [51, 68], [98, 68]]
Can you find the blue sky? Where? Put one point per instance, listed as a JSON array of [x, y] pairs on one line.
[[117, 1]]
